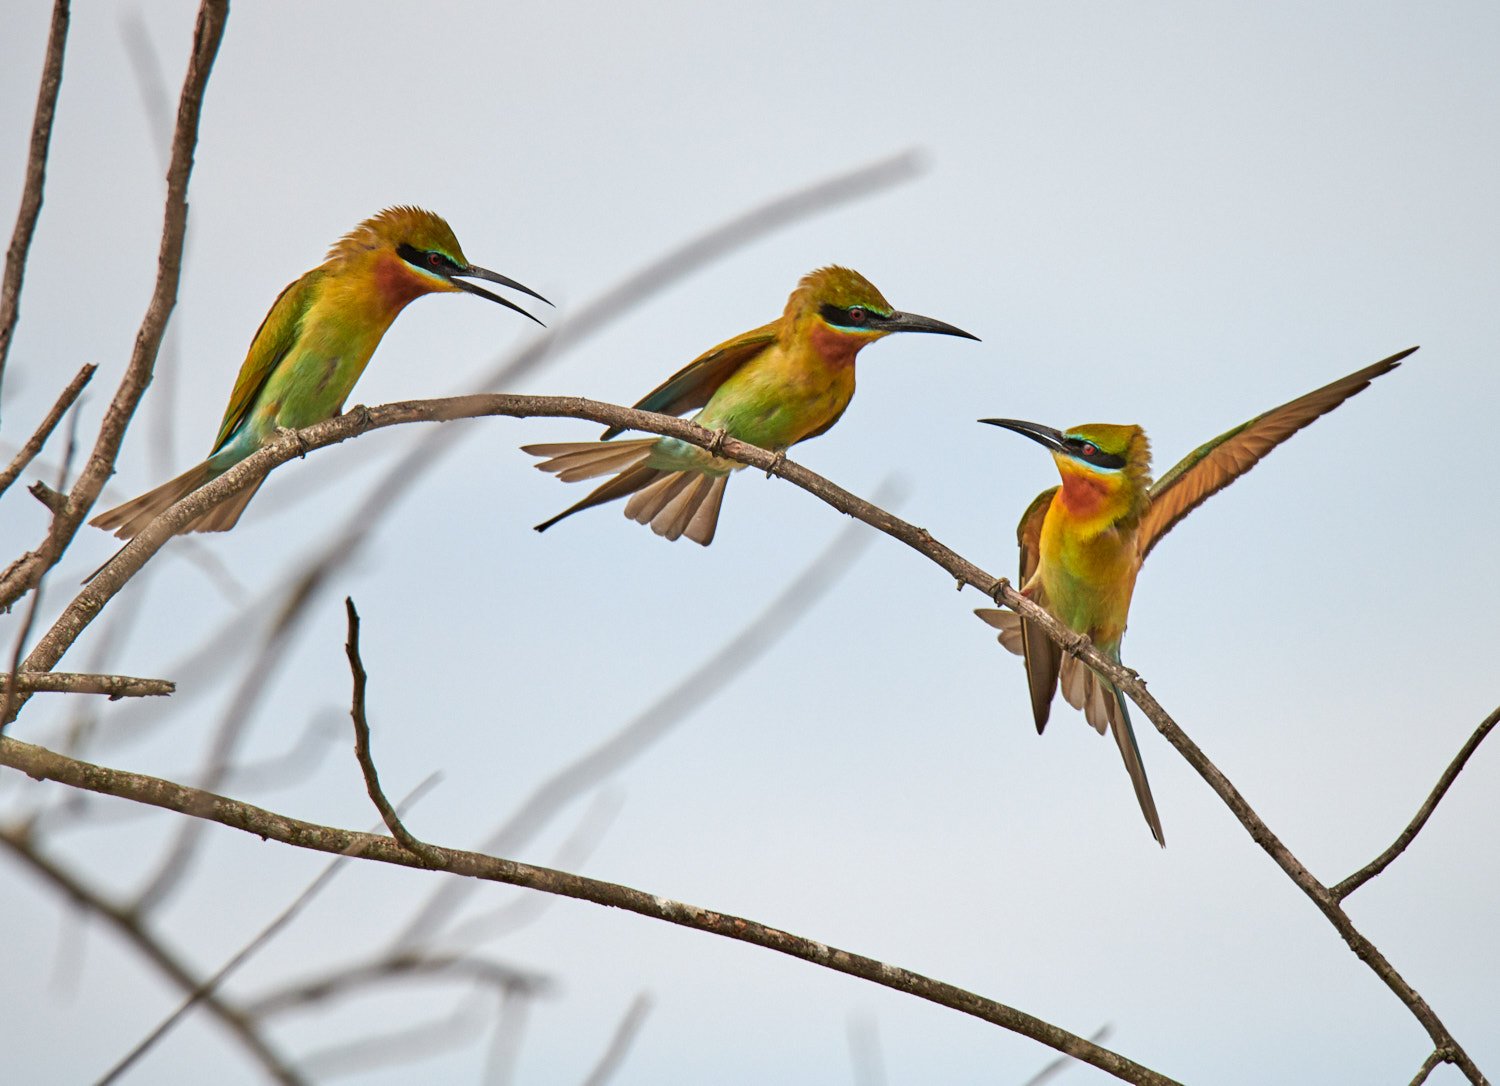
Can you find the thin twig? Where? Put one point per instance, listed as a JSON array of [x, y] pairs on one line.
[[344, 980], [362, 746], [129, 925], [1429, 1065], [1057, 1066], [1414, 827], [619, 1044], [73, 682], [35, 442], [24, 574], [36, 177], [43, 764]]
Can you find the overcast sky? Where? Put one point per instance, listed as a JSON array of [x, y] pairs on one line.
[[1173, 215]]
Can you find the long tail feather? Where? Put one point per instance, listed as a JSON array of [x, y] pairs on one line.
[[647, 503], [627, 482], [1119, 722], [128, 519]]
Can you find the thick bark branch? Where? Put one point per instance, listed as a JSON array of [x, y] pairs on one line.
[[73, 682], [43, 764]]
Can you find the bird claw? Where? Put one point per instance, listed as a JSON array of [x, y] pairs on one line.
[[296, 437], [774, 467], [716, 446], [997, 589]]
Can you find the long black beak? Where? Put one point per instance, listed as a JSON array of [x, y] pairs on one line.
[[913, 322], [1042, 435], [495, 277]]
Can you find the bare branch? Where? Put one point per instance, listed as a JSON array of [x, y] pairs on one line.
[[24, 575], [362, 419], [1429, 1065], [362, 747], [1414, 827], [43, 764], [34, 443], [405, 1044], [128, 924], [619, 1044], [1059, 1065], [73, 682], [36, 177]]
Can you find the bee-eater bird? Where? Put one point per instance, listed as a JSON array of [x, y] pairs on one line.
[[779, 384], [1083, 543], [314, 344]]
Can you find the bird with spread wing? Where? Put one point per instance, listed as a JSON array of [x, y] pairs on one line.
[[1082, 544]]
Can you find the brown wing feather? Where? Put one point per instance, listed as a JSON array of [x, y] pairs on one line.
[[1209, 468], [1043, 655], [690, 387]]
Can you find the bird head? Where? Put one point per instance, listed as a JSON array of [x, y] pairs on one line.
[[844, 304], [1100, 460], [416, 253]]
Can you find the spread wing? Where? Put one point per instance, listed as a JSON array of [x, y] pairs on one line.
[[690, 387], [273, 340], [1209, 468], [1043, 655]]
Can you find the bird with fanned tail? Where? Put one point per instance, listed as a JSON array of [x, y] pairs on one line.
[[779, 384], [1082, 544], [314, 344]]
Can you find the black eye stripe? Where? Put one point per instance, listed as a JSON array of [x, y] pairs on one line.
[[418, 258], [1099, 458], [855, 316]]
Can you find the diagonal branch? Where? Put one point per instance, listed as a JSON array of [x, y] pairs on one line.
[[24, 574], [1414, 827], [362, 419], [34, 443], [43, 764], [36, 178]]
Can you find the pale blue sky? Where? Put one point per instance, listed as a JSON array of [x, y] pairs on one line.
[[1176, 215]]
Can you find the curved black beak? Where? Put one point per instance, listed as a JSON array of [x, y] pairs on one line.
[[914, 322], [495, 277], [1042, 435]]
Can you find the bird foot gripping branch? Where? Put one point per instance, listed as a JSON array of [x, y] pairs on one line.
[[778, 461]]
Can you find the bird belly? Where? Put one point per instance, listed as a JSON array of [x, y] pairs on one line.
[[1088, 584], [775, 407]]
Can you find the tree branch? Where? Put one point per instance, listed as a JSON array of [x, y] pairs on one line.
[[36, 177], [363, 419], [1414, 827], [388, 813], [34, 443], [24, 575], [73, 682], [43, 764]]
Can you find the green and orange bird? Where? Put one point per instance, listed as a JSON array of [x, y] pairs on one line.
[[782, 383], [314, 344], [1082, 544]]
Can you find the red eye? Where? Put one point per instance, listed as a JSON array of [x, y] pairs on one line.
[[857, 314], [1089, 449], [435, 259]]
